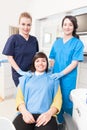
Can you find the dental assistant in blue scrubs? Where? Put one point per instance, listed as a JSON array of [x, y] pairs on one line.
[[21, 48], [65, 55]]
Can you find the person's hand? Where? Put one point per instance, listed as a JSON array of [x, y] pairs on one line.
[[43, 119], [50, 70], [19, 71], [56, 76], [28, 117]]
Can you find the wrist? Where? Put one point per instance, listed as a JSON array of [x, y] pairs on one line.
[[22, 109], [50, 111], [19, 71], [61, 73], [53, 110]]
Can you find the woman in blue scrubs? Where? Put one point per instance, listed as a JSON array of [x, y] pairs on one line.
[[21, 48], [65, 54]]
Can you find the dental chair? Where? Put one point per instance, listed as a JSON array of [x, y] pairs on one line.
[[69, 122], [6, 124]]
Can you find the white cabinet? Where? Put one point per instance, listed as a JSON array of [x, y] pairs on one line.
[[6, 83], [79, 98], [82, 74]]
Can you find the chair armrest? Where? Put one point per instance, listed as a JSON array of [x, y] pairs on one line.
[[70, 123]]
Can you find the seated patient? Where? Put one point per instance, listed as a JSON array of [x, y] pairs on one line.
[[38, 98]]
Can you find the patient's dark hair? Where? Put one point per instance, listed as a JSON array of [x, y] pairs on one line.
[[39, 55]]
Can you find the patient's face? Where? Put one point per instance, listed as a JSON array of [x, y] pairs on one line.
[[40, 64]]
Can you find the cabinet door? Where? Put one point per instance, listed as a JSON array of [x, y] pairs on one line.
[[82, 74], [6, 82]]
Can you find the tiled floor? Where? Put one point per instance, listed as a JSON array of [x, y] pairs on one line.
[[7, 108]]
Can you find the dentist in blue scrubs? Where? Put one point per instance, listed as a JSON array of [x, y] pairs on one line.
[[65, 55], [21, 48]]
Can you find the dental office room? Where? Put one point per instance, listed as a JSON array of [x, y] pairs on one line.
[[46, 26]]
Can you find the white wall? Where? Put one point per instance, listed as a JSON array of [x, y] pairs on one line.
[[9, 13], [10, 10], [43, 8]]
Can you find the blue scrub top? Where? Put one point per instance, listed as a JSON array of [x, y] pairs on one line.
[[22, 51], [65, 53]]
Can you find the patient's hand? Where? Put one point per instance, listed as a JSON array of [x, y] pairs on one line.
[[43, 119], [28, 117]]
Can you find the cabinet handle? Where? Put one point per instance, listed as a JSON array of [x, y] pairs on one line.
[[78, 111]]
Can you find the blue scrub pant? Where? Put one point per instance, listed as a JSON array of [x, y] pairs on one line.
[[67, 106]]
